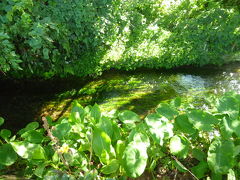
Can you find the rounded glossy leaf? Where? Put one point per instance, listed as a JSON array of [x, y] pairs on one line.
[[229, 105], [182, 123], [129, 118], [134, 159], [1, 121], [5, 133], [7, 155], [166, 111]]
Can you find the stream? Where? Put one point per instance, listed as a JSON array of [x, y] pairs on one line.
[[140, 91]]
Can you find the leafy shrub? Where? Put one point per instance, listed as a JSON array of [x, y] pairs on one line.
[[88, 144], [47, 38]]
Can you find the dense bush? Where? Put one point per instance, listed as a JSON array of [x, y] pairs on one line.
[[89, 145], [81, 37]]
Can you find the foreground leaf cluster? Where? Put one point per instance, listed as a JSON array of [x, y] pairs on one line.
[[89, 145]]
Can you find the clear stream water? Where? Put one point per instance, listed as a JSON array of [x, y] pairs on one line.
[[140, 91]]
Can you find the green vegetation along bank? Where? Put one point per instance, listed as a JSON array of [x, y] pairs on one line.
[[82, 37], [192, 143]]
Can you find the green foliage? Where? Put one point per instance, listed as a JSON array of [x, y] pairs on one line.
[[205, 144], [82, 37]]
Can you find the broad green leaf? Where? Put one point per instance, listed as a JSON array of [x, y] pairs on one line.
[[230, 126], [101, 142], [200, 170], [139, 137], [182, 123], [32, 126], [77, 113], [61, 130], [105, 124], [229, 105], [1, 121], [167, 111], [120, 147], [7, 155], [5, 133], [221, 156], [33, 136], [129, 118], [159, 128], [201, 120], [116, 132], [95, 112], [237, 150], [134, 159], [179, 146], [28, 150], [112, 167], [231, 175], [199, 155], [45, 53], [177, 102]]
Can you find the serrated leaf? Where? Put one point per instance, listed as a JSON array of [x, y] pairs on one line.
[[166, 111], [182, 123], [179, 146], [201, 120], [134, 160], [221, 156], [7, 155]]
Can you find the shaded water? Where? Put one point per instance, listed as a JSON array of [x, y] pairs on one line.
[[140, 91]]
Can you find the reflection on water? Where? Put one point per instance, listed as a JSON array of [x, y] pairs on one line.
[[140, 91]]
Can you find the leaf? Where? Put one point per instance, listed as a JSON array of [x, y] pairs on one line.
[[182, 123], [1, 121], [134, 159], [7, 155], [229, 105], [77, 113], [177, 102], [231, 175], [28, 150], [33, 136], [101, 142], [167, 111], [221, 156], [201, 120], [230, 126], [179, 146], [61, 130], [159, 128], [105, 124], [199, 155], [129, 118], [39, 170], [139, 137], [95, 112], [112, 167], [5, 134], [180, 166], [32, 126], [45, 53], [200, 170]]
